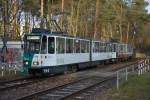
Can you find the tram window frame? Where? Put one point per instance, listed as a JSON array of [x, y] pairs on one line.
[[100, 47], [51, 49], [105, 47], [96, 47], [60, 45], [69, 45], [44, 46], [77, 46], [109, 47], [122, 46], [119, 48], [126, 48], [115, 47]]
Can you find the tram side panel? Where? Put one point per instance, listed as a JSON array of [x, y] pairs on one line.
[[102, 52], [57, 62]]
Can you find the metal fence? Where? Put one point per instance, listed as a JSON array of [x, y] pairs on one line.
[[137, 68]]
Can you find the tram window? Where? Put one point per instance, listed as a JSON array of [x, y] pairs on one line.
[[122, 48], [105, 47], [60, 45], [93, 46], [51, 45], [96, 46], [108, 47], [83, 46], [99, 47], [118, 47], [69, 45], [126, 46], [102, 46], [113, 47], [77, 46], [87, 46], [44, 45]]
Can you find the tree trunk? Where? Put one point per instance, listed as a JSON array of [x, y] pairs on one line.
[[77, 17], [62, 10], [14, 34], [127, 33], [5, 17], [96, 17], [111, 30], [42, 13], [120, 31], [120, 23]]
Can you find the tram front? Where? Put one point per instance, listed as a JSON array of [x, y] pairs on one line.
[[32, 44]]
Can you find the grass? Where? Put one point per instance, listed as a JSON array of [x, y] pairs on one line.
[[136, 88]]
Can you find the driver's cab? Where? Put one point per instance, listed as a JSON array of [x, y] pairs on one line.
[[37, 50], [47, 50]]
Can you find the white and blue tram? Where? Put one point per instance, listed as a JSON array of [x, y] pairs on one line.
[[53, 53]]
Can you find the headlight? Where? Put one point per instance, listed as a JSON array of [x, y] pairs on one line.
[[35, 63], [26, 63]]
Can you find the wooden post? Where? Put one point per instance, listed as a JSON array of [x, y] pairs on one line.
[[117, 79], [126, 74]]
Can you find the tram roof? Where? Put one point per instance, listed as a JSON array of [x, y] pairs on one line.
[[39, 31]]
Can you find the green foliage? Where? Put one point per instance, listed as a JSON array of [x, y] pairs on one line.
[[32, 6], [123, 20]]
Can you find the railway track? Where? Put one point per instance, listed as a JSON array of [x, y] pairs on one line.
[[69, 90], [6, 85], [81, 84]]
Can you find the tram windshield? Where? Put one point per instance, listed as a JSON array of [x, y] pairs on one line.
[[32, 44]]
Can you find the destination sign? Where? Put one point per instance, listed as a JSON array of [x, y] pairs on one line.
[[33, 37]]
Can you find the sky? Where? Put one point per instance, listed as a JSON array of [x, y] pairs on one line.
[[148, 6]]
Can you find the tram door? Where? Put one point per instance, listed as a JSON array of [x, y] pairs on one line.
[[43, 51]]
